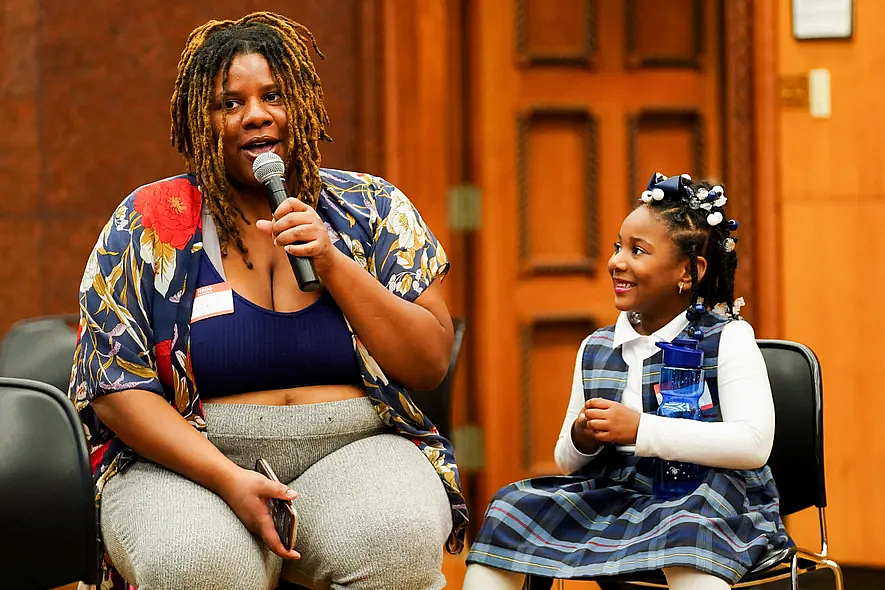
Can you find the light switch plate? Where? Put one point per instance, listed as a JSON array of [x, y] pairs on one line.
[[819, 93]]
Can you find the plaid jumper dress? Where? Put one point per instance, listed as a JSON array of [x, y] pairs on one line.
[[604, 520]]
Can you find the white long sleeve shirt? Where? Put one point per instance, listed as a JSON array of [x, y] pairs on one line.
[[742, 440]]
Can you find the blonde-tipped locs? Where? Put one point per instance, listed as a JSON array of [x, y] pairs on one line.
[[209, 50]]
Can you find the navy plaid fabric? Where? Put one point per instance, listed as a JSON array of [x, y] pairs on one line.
[[605, 372], [604, 520]]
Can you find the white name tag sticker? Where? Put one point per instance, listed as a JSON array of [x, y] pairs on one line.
[[212, 300], [705, 402]]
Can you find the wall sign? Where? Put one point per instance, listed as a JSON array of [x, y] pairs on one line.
[[822, 19]]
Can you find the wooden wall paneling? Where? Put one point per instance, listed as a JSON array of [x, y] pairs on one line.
[[459, 295], [740, 155], [415, 115], [670, 141], [548, 348], [557, 151], [369, 47], [665, 34], [765, 181], [494, 77], [556, 33]]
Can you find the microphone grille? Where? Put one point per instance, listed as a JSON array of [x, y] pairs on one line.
[[266, 165]]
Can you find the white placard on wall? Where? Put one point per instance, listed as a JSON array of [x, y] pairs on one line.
[[822, 19]]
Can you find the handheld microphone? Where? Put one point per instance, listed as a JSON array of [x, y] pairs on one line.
[[268, 169]]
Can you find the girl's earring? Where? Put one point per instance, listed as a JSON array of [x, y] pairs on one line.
[[680, 288]]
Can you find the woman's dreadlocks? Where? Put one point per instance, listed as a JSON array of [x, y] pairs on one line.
[[210, 49]]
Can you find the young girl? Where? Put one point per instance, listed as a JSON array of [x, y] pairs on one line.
[[674, 252]]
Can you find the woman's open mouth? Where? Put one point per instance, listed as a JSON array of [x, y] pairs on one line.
[[253, 149]]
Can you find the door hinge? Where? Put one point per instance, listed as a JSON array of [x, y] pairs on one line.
[[464, 204], [469, 450]]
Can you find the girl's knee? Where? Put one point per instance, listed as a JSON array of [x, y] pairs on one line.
[[687, 578]]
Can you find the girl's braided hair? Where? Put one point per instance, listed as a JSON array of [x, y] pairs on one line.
[[695, 214]]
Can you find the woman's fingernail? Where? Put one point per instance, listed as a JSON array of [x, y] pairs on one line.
[[291, 493]]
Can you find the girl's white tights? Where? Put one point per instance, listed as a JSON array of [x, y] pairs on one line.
[[688, 578], [482, 577]]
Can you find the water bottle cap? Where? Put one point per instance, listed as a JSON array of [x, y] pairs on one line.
[[682, 353]]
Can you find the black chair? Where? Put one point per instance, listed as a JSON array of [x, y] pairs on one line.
[[797, 461], [40, 348], [47, 506], [437, 403]]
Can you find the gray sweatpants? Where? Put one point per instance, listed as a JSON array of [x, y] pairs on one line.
[[372, 511]]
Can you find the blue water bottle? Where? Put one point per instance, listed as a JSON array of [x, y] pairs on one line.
[[682, 384]]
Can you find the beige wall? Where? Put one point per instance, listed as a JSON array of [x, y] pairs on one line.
[[831, 203]]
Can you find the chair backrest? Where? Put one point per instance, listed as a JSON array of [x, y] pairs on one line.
[[47, 507], [436, 404], [41, 349], [797, 459]]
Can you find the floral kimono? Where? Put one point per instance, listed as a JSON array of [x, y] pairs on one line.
[[137, 294]]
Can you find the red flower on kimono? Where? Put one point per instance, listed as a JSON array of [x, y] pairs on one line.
[[97, 455], [172, 209], [163, 352]]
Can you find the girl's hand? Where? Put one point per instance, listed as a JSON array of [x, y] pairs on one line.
[[297, 228], [583, 436], [611, 422], [248, 493]]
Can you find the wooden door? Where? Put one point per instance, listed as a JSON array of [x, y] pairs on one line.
[[576, 103]]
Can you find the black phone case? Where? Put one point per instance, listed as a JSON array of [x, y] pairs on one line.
[[279, 509]]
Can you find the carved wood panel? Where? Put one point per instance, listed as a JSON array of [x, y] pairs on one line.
[[555, 33], [557, 161], [665, 34], [670, 141], [548, 348]]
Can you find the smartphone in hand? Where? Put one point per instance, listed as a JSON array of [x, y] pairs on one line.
[[285, 519]]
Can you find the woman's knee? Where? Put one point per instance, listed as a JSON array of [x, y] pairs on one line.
[[366, 553], [399, 538], [165, 531], [218, 559], [387, 532]]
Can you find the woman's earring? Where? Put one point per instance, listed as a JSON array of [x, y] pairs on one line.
[[680, 288]]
